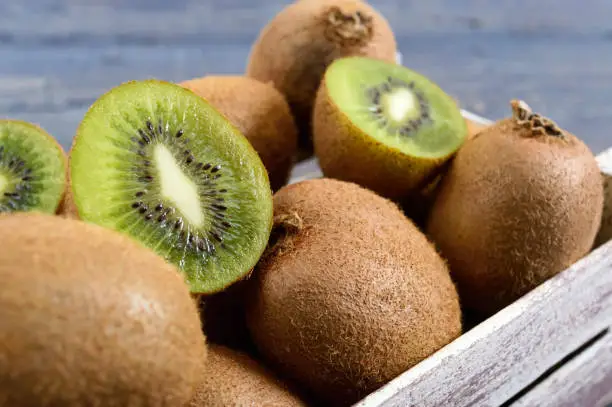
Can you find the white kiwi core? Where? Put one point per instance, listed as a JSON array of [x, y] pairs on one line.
[[177, 187], [399, 104]]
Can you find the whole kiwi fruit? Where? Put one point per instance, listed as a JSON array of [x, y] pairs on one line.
[[234, 379], [297, 45], [260, 112], [349, 294], [521, 202], [89, 317]]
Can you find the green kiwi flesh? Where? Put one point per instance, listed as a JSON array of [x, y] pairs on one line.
[[396, 106], [32, 169], [157, 162]]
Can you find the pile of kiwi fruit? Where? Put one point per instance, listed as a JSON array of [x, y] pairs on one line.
[[166, 259]]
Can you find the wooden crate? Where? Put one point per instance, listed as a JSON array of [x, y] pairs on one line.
[[552, 347]]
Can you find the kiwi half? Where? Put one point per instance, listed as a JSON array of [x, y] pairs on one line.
[[296, 46], [32, 169], [384, 126], [157, 162], [521, 202], [260, 112]]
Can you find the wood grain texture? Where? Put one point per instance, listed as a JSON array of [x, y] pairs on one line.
[[57, 56], [583, 381]]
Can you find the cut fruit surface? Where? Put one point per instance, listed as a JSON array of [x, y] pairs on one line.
[[32, 169], [155, 161], [396, 106]]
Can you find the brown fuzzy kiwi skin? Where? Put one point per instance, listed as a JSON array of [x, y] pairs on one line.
[[67, 206], [233, 379], [90, 317], [515, 208], [339, 324], [298, 44], [345, 152], [260, 112]]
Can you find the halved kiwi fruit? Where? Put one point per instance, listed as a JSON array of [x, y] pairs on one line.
[[157, 162], [384, 126], [32, 169]]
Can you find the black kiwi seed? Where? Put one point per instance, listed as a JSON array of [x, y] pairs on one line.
[[189, 159], [149, 216], [143, 208], [207, 167], [223, 190], [219, 207], [215, 168], [140, 193], [159, 207], [216, 236], [178, 224], [162, 217], [144, 136], [136, 205], [150, 126], [179, 133]]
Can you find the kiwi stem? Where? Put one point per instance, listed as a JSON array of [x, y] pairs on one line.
[[536, 123], [284, 225], [348, 29]]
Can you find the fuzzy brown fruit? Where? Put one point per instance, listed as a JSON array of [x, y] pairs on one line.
[[350, 293], [233, 379], [90, 318], [260, 112], [297, 45], [521, 202]]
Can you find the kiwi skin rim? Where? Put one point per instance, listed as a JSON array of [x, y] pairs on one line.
[[70, 202], [39, 129], [345, 152]]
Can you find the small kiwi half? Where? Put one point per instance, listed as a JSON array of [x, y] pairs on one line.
[[521, 202], [384, 126], [294, 48], [32, 169], [157, 162], [260, 112]]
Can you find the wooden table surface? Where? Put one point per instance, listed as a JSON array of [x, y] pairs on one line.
[[57, 56]]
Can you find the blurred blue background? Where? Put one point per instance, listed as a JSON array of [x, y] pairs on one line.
[[57, 56]]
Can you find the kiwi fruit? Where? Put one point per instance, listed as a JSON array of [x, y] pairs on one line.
[[32, 169], [234, 379], [155, 161], [90, 317], [339, 324], [521, 202], [296, 46], [260, 112], [384, 126]]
